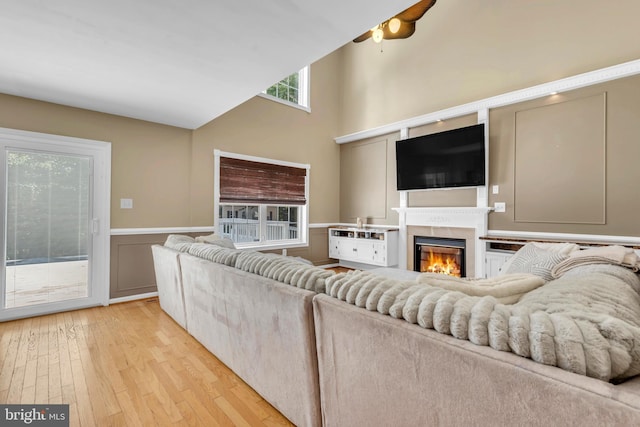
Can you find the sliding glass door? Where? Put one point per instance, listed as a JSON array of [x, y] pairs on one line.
[[47, 227], [50, 225]]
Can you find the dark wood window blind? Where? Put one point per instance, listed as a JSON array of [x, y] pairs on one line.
[[244, 181]]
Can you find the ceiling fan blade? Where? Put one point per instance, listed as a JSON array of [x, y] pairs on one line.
[[415, 12], [363, 37], [406, 30], [407, 22]]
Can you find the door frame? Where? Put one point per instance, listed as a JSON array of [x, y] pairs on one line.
[[100, 152]]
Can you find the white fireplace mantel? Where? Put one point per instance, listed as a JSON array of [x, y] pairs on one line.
[[463, 217], [459, 217]]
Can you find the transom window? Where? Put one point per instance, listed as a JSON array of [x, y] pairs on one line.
[[261, 202], [292, 90]]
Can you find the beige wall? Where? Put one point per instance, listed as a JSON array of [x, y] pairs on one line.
[[368, 180], [168, 171], [466, 51], [463, 51], [368, 177], [593, 190], [564, 163], [150, 162], [264, 128]]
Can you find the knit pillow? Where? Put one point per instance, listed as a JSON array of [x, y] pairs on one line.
[[535, 260]]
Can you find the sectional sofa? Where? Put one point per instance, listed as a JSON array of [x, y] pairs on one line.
[[291, 331], [260, 328]]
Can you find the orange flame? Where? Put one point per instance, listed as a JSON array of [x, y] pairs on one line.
[[441, 264]]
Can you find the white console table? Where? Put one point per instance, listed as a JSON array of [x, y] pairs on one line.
[[369, 246]]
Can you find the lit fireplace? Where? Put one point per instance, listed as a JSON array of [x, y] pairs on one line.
[[439, 255]]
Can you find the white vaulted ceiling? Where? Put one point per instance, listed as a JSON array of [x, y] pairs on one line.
[[177, 62]]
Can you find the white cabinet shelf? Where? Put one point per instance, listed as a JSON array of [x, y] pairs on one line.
[[373, 246]]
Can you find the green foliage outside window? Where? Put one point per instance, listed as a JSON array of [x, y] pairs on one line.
[[47, 206], [286, 89]]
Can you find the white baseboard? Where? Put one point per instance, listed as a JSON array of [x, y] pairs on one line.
[[133, 297], [328, 265]]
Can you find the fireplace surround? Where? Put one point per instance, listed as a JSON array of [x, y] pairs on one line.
[[468, 223], [439, 255]]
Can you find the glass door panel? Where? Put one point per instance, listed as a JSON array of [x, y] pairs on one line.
[[47, 228]]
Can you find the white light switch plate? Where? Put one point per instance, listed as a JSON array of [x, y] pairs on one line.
[[499, 207], [126, 203], [495, 189]]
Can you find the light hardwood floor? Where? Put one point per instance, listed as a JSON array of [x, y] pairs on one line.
[[126, 364]]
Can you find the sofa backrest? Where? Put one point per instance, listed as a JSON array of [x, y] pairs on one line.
[[287, 270], [260, 328]]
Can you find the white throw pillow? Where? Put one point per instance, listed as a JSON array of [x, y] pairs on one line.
[[214, 239], [533, 259], [207, 238], [178, 239], [560, 248]]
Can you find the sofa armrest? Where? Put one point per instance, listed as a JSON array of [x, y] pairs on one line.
[[166, 264]]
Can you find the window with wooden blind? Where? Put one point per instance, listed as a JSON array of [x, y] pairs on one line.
[[261, 202]]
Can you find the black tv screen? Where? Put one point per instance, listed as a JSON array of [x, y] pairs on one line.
[[450, 159]]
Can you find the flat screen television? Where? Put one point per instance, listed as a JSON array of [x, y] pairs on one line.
[[450, 159]]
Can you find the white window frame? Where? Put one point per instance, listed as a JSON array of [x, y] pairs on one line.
[[304, 89], [303, 234]]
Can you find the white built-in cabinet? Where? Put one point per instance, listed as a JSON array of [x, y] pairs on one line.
[[372, 246], [495, 260]]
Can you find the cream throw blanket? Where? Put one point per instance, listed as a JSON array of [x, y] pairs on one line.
[[506, 289], [618, 255], [587, 322]]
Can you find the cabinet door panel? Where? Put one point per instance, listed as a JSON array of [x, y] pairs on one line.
[[364, 251], [334, 251], [494, 262], [379, 253]]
